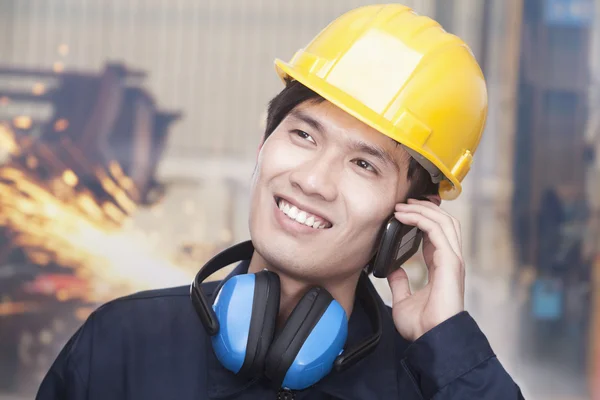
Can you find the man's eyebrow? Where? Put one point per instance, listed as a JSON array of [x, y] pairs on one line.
[[358, 146], [375, 151], [312, 122]]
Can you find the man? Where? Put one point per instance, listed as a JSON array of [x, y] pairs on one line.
[[381, 108]]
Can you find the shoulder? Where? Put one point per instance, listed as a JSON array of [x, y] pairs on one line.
[[148, 318], [152, 306], [154, 326], [155, 296], [154, 314]]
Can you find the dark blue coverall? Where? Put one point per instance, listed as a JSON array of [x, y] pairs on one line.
[[151, 345]]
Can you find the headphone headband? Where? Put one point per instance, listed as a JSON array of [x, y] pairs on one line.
[[239, 252], [243, 251]]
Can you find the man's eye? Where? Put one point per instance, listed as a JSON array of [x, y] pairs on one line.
[[364, 165], [303, 135]]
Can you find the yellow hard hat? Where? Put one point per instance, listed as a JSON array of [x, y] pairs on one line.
[[406, 77]]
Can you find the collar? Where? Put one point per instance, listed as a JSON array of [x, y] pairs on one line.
[[375, 374]]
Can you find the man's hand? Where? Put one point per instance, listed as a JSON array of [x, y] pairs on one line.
[[443, 296]]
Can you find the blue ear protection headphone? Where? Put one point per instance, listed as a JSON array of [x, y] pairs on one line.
[[241, 323]]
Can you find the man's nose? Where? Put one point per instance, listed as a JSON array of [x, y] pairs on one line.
[[317, 177]]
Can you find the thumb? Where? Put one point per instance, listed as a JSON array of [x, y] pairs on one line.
[[399, 285]]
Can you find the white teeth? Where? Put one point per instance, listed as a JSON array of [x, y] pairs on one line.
[[293, 212], [301, 217]]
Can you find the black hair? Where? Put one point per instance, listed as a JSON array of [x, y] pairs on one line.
[[296, 93]]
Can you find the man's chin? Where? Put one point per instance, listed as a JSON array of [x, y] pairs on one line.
[[283, 256], [278, 253], [301, 258]]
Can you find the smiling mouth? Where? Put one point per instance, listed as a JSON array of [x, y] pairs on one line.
[[300, 216]]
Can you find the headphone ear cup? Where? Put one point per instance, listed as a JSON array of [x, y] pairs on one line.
[[246, 308], [265, 308], [306, 347]]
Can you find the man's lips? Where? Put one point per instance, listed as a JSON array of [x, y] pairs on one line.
[[302, 214]]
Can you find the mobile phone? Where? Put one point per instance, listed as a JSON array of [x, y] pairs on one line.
[[399, 242]]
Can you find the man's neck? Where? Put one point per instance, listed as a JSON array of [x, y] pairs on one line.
[[292, 289]]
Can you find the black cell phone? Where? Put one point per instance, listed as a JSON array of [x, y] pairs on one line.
[[398, 243]]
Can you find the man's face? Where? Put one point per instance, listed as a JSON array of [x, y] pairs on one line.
[[322, 167]]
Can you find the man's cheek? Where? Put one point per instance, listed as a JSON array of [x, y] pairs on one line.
[[371, 230], [372, 213], [280, 156]]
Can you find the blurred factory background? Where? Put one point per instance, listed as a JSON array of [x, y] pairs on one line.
[[129, 129]]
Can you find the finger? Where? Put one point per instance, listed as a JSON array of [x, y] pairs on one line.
[[399, 284], [432, 206], [432, 229], [445, 221]]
